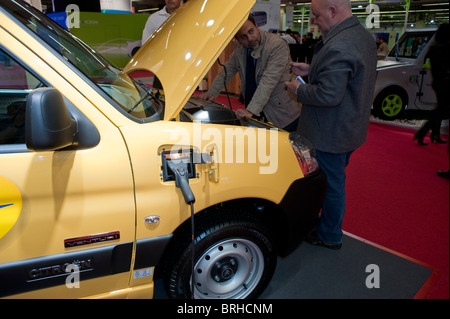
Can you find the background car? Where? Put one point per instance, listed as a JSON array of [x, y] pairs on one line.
[[403, 77]]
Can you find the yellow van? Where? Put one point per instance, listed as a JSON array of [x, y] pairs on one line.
[[107, 183]]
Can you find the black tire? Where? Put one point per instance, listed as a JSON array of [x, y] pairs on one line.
[[390, 103], [234, 259]]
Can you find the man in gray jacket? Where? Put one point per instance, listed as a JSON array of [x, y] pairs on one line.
[[266, 56], [336, 104]]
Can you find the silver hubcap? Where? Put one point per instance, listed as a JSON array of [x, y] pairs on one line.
[[230, 269]]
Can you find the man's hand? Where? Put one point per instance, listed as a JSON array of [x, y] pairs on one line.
[[241, 113], [206, 96], [301, 69], [291, 87]]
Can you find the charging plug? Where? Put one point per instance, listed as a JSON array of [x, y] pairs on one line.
[[180, 170]]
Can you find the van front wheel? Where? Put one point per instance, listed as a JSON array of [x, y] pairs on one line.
[[234, 259]]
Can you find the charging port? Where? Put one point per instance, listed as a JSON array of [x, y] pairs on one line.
[[182, 156]]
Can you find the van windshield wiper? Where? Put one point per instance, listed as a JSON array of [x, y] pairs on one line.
[[148, 93]]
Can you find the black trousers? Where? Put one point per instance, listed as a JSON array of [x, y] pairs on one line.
[[437, 115]]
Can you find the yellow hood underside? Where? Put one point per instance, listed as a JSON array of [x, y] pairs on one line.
[[185, 47]]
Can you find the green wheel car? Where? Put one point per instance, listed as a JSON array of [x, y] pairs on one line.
[[403, 77]]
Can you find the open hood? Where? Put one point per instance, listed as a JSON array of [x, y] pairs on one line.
[[185, 47]]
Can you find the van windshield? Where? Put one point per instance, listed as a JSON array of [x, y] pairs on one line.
[[132, 98], [411, 44]]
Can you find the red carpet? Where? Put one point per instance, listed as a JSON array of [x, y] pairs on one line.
[[396, 200]]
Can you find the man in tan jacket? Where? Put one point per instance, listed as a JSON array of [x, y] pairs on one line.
[[266, 56]]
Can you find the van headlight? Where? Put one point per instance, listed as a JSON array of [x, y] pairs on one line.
[[304, 150]]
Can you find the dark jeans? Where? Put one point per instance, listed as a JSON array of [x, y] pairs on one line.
[[333, 207]]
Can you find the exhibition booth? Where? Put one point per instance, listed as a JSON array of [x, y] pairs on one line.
[[119, 179]]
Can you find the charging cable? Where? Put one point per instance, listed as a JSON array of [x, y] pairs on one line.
[[180, 170]]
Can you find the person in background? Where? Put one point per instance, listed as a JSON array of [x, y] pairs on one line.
[[440, 71], [444, 174], [289, 37], [309, 45], [383, 49], [336, 104], [297, 37], [156, 19], [262, 60]]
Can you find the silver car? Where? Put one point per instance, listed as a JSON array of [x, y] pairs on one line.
[[404, 77]]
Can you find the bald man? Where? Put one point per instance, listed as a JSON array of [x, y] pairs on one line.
[[336, 104]]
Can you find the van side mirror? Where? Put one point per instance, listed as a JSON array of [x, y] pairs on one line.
[[48, 125]]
